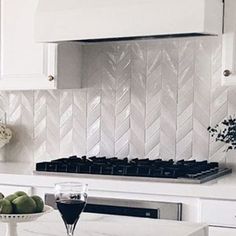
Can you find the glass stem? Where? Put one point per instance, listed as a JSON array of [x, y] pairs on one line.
[[70, 229]]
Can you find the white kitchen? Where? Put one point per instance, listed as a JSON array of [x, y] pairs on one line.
[[118, 117]]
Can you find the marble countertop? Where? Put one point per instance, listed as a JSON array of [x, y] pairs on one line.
[[107, 225], [22, 174]]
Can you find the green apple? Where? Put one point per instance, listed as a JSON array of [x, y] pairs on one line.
[[24, 205], [5, 206], [20, 193], [11, 197], [39, 203]]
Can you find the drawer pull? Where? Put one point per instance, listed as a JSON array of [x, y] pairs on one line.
[[50, 78]]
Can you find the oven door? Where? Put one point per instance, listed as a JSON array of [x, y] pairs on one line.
[[127, 207]]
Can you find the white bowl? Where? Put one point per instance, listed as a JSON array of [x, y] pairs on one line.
[[17, 218]]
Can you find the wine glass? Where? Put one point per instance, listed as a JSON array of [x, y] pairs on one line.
[[71, 198]]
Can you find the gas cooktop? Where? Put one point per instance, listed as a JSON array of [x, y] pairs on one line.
[[182, 171]]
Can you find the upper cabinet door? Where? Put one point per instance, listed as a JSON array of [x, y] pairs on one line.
[[26, 64]]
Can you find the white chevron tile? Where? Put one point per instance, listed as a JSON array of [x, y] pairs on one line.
[[138, 99], [53, 123], [216, 117], [200, 141], [218, 107], [66, 122], [185, 99], [40, 124], [47, 125], [93, 63], [21, 121], [169, 99], [122, 103], [153, 100], [93, 121], [122, 131], [108, 101], [4, 103], [184, 148], [79, 122], [122, 144], [202, 95], [232, 101]]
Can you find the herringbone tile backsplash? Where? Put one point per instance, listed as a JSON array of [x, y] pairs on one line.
[[138, 99]]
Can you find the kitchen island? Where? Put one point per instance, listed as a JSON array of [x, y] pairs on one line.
[[109, 225]]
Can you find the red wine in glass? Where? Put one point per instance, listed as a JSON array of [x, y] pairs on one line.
[[70, 210], [71, 200]]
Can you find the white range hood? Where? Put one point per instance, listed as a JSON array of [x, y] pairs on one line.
[[69, 20]]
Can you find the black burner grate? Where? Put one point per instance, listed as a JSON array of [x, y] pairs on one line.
[[157, 168]]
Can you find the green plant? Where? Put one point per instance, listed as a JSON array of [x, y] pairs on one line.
[[225, 132]]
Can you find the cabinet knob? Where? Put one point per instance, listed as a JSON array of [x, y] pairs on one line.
[[50, 78], [227, 73]]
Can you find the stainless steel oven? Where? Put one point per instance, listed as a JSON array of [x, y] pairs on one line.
[[127, 207]]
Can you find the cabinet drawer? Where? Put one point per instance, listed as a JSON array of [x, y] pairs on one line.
[[220, 231], [218, 213]]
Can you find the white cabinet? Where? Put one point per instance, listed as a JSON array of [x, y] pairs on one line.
[[220, 215], [26, 64], [228, 44], [218, 212], [219, 231]]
